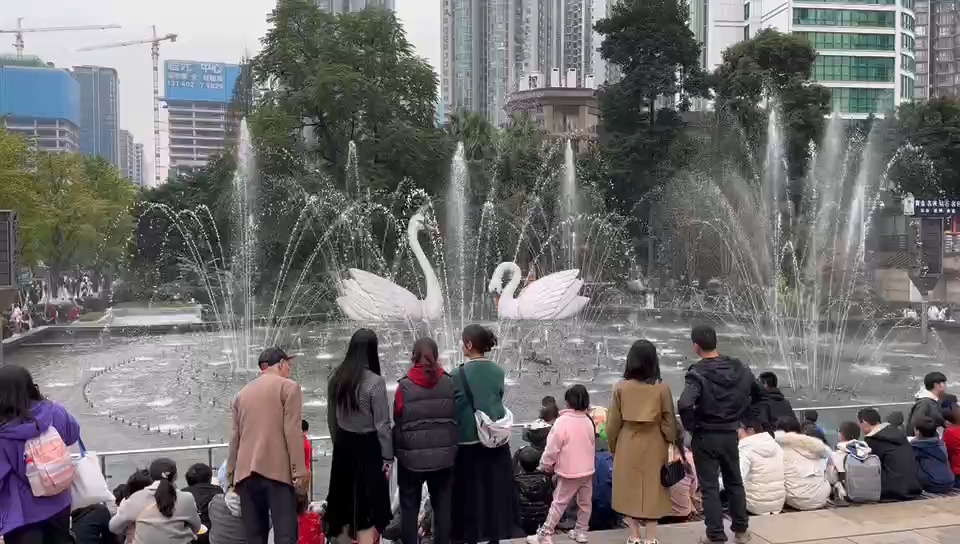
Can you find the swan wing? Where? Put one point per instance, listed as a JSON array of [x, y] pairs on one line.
[[380, 298], [573, 308], [543, 298]]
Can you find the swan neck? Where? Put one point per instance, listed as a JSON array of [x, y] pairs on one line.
[[433, 284], [514, 280]]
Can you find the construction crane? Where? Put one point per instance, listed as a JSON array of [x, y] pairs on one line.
[[155, 53], [20, 31]]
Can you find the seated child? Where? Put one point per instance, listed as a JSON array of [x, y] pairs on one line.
[[685, 494], [536, 434], [933, 469], [535, 489], [951, 438], [865, 484]]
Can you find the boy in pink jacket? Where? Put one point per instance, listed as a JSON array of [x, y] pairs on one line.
[[569, 455]]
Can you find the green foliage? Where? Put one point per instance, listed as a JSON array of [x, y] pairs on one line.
[[654, 49], [932, 126], [350, 77], [779, 66], [74, 211]]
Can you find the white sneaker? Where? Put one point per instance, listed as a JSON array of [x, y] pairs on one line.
[[631, 540], [577, 536], [540, 538]]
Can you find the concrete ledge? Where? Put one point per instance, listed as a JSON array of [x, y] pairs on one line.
[[914, 522]]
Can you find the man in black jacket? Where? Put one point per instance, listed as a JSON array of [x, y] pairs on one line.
[[929, 402], [717, 393], [898, 466], [772, 405]]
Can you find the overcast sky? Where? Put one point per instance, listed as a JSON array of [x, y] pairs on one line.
[[209, 30]]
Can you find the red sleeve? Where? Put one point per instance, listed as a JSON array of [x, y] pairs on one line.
[[397, 403], [308, 452]]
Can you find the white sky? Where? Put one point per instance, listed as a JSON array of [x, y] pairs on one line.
[[209, 30]]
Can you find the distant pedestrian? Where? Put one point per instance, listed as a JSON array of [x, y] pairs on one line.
[[358, 415], [718, 392], [265, 460], [641, 425]]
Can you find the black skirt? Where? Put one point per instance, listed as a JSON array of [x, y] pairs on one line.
[[358, 496], [485, 502]]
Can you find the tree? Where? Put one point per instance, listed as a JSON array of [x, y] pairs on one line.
[[930, 164], [778, 66], [651, 44], [350, 77]]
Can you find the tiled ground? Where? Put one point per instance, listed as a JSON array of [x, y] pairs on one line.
[[918, 522]]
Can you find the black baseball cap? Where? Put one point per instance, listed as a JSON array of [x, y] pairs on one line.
[[272, 356]]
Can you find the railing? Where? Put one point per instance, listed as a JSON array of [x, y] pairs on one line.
[[104, 456]]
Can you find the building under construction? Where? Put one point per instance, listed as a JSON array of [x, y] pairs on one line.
[[40, 102]]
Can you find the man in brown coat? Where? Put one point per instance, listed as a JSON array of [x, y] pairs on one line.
[[266, 460]]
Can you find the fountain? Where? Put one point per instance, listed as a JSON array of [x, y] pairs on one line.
[[791, 266]]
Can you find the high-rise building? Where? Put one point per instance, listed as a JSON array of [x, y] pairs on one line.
[[139, 168], [482, 54], [346, 6], [865, 48], [126, 154], [99, 112], [938, 49], [40, 103], [198, 96]]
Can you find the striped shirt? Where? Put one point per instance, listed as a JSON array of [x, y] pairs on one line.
[[373, 415]]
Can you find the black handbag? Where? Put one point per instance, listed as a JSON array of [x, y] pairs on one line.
[[674, 471]]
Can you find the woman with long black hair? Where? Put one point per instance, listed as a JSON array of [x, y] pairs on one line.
[[485, 502], [358, 417], [159, 513], [26, 414]]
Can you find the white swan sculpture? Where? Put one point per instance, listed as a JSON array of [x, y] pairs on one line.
[[556, 296], [368, 297]]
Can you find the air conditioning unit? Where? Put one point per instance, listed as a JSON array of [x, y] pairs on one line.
[[555, 77], [572, 78]]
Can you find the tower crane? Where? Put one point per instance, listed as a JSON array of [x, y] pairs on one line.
[[19, 31], [155, 53]]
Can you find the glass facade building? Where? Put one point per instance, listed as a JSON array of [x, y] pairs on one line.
[[42, 104], [99, 112], [937, 49], [865, 51]]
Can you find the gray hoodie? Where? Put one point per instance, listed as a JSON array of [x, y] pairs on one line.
[[226, 524]]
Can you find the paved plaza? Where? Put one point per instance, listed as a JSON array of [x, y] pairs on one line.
[[918, 522]]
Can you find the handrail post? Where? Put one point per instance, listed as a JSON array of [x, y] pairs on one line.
[[103, 466], [210, 457]]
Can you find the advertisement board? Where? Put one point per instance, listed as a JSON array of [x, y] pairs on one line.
[[199, 81]]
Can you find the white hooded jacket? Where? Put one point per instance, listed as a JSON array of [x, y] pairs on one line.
[[804, 468], [761, 467]]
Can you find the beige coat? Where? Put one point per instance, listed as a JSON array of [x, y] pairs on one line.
[[641, 424]]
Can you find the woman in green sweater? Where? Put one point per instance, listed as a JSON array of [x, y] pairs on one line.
[[485, 504]]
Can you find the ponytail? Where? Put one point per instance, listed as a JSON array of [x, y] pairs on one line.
[[165, 471], [425, 353]]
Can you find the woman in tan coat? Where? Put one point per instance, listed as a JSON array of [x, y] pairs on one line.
[[641, 424]]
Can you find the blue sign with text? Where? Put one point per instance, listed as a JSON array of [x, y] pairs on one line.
[[199, 81]]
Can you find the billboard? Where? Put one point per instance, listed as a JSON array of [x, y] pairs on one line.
[[44, 93], [199, 81]]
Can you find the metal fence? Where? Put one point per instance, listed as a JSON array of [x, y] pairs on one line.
[[830, 417]]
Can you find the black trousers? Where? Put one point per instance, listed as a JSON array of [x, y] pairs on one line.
[[53, 530], [715, 453], [440, 486], [263, 499]]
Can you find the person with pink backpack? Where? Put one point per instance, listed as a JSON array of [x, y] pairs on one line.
[[35, 468]]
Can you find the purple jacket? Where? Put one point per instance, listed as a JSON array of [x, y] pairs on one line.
[[18, 506]]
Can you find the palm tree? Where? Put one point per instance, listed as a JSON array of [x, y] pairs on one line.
[[476, 133]]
